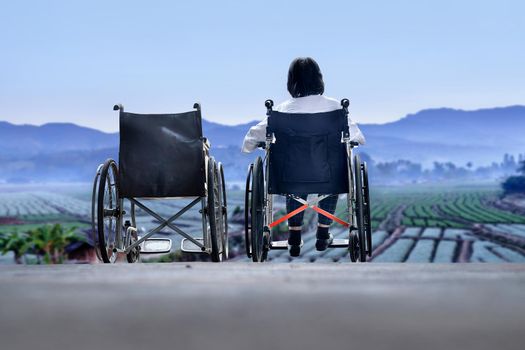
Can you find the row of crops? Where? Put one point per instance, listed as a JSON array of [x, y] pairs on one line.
[[437, 226], [436, 207], [416, 245], [439, 207], [27, 205], [433, 207], [24, 204], [436, 223], [449, 245]]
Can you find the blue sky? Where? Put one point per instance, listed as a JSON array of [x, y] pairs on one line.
[[72, 60]]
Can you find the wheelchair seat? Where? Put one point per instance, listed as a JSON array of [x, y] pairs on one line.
[[161, 155], [307, 156]]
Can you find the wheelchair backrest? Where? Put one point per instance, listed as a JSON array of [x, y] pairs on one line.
[[307, 155], [161, 155]]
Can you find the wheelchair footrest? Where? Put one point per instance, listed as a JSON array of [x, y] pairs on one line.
[[188, 246], [155, 246], [339, 243], [279, 245]]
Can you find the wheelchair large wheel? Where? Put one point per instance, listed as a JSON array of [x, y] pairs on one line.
[[214, 210], [94, 219], [366, 216], [247, 212], [359, 208], [257, 212], [107, 211], [224, 214]]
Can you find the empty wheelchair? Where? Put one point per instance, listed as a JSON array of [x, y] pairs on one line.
[[161, 156], [307, 154]]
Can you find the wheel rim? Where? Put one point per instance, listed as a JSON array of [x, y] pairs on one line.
[[247, 212], [366, 204], [217, 207], [94, 216], [359, 209], [214, 211], [257, 212], [108, 212], [224, 215]]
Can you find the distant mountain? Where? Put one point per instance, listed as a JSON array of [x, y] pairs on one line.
[[62, 151], [68, 152], [27, 140], [225, 135], [491, 127], [445, 134], [64, 166]]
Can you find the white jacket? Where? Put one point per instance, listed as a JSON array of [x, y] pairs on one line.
[[307, 104]]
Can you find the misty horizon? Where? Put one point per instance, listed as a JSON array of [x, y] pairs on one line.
[[252, 121]]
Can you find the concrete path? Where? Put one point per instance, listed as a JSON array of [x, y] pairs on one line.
[[263, 306]]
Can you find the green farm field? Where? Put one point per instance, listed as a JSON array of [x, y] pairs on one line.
[[410, 224]]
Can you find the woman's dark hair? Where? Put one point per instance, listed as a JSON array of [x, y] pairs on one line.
[[305, 78]]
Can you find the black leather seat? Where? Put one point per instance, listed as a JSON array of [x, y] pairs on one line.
[[161, 155], [308, 156]]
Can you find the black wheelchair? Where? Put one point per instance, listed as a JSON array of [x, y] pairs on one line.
[[161, 156], [307, 154]]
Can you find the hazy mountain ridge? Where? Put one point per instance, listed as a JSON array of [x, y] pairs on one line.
[[492, 127], [225, 135], [65, 151], [27, 140]]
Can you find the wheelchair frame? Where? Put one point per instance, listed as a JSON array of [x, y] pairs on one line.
[[259, 219], [112, 235]]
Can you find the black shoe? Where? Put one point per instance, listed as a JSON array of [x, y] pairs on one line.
[[295, 242], [294, 249], [323, 243]]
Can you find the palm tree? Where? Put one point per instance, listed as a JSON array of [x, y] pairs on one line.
[[51, 241], [18, 243]]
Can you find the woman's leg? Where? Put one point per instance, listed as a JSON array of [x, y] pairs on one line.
[[295, 224], [323, 223], [328, 204]]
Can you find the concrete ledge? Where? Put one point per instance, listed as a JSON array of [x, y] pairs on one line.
[[261, 306]]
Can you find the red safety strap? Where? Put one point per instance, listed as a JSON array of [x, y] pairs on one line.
[[289, 215], [304, 207], [328, 215]]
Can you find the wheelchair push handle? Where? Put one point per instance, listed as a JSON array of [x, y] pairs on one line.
[[118, 107], [269, 105], [345, 103]]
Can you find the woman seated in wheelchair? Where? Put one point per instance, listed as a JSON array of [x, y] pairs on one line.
[[306, 86]]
